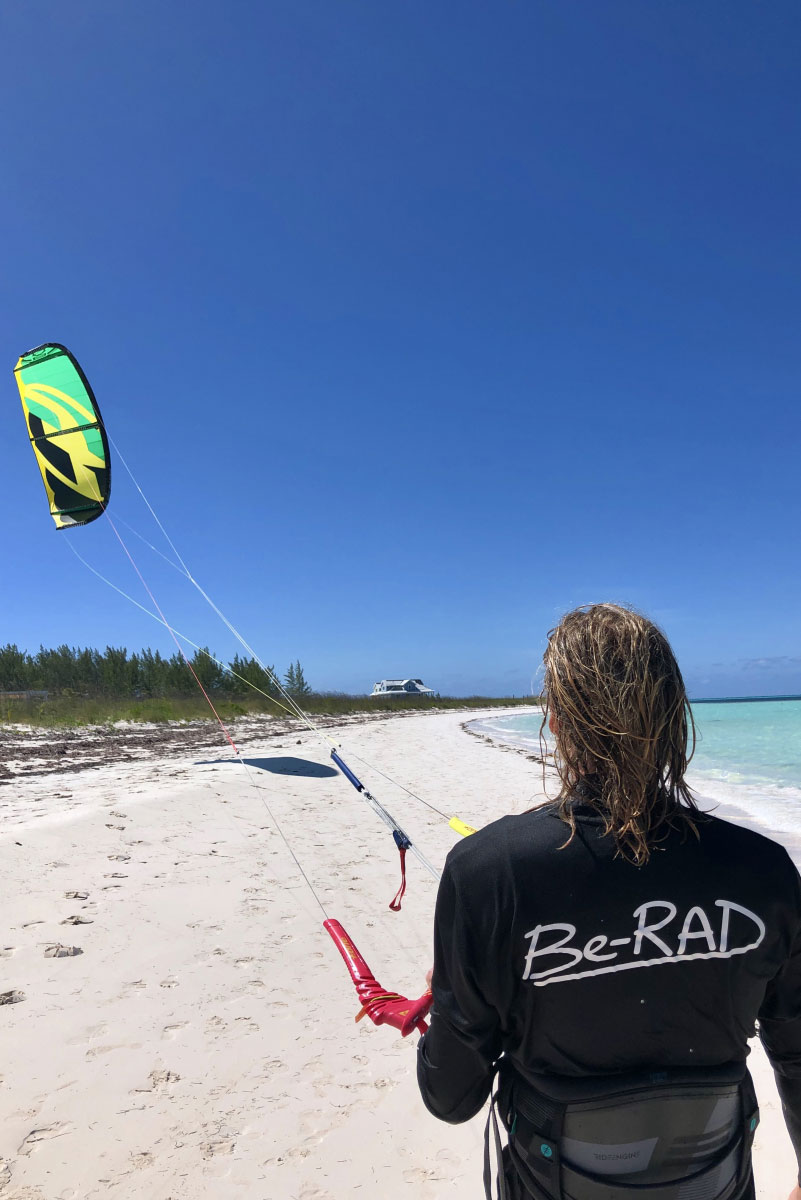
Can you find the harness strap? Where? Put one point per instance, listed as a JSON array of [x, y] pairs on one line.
[[492, 1123]]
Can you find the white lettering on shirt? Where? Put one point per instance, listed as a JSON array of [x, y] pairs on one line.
[[729, 906], [555, 947], [704, 932], [644, 930], [659, 935]]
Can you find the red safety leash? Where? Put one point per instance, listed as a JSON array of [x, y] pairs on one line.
[[403, 845]]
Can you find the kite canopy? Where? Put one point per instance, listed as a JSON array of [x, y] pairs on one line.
[[67, 434]]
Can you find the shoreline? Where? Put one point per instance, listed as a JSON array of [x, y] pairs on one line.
[[727, 800], [202, 1043]]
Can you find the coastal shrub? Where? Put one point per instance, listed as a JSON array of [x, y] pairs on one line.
[[81, 686]]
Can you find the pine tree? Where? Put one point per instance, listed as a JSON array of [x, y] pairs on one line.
[[296, 683], [16, 669], [251, 673], [208, 670]]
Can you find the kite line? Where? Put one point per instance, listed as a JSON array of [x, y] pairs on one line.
[[71, 447]]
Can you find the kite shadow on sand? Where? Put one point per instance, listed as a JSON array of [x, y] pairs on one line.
[[276, 766]]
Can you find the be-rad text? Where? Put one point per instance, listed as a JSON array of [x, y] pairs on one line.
[[659, 934]]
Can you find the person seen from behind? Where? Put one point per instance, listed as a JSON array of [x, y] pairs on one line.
[[604, 958]]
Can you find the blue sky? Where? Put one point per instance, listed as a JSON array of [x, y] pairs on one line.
[[418, 324]]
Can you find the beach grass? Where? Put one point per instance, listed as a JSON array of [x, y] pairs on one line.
[[64, 711]]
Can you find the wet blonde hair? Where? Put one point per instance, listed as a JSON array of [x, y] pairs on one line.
[[623, 724]]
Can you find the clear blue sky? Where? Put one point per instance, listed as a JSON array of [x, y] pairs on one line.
[[419, 324]]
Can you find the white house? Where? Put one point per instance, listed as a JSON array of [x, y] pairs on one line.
[[401, 687]]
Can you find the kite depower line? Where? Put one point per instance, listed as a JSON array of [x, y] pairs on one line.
[[72, 449]]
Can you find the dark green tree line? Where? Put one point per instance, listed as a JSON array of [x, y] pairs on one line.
[[114, 672]]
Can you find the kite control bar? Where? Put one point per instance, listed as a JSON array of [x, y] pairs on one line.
[[382, 1007]]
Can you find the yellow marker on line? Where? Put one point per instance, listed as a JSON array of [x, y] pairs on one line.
[[460, 827]]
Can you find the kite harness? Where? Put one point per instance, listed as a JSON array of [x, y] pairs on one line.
[[381, 1006], [671, 1135]]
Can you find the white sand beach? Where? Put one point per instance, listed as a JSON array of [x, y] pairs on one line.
[[202, 1044]]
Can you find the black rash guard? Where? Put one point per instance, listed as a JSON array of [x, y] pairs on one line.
[[573, 961]]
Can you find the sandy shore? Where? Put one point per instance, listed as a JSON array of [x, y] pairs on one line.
[[202, 1043]]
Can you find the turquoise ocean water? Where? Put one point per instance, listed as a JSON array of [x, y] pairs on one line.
[[748, 754]]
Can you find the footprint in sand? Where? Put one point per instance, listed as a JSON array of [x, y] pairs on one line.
[[119, 827], [247, 1025], [96, 1051], [169, 983], [7, 951], [143, 1158], [217, 1146], [119, 858], [160, 1081], [13, 997], [115, 875], [420, 1175], [119, 815], [76, 895], [76, 920], [171, 1031], [449, 1159], [59, 951], [93, 1031], [31, 1140]]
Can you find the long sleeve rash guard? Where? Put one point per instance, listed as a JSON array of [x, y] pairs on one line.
[[570, 960]]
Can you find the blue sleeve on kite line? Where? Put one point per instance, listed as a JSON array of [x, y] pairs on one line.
[[346, 771]]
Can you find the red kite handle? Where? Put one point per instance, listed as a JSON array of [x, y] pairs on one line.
[[382, 1007]]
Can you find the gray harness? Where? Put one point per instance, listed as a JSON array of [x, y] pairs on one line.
[[668, 1135]]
